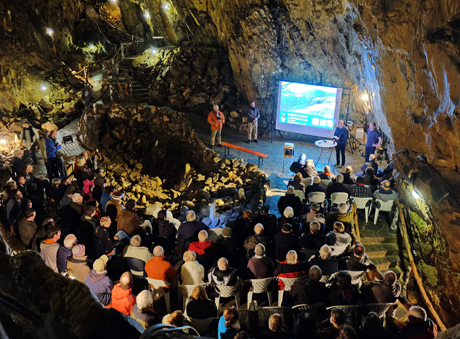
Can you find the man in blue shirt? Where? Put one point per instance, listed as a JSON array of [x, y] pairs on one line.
[[253, 117], [54, 161], [373, 140], [340, 137]]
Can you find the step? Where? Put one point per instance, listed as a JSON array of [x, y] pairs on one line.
[[385, 263], [377, 240], [382, 250]]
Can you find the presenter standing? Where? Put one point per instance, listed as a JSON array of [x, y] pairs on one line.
[[373, 141], [253, 118], [340, 137], [216, 119]]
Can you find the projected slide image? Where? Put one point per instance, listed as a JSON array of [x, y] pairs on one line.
[[307, 105]]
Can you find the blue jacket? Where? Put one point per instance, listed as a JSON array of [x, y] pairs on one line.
[[342, 133], [51, 150], [62, 255], [253, 113], [101, 286]]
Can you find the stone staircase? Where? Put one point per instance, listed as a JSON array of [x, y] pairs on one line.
[[381, 245]]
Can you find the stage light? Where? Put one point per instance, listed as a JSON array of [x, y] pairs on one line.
[[154, 50], [50, 32], [146, 15], [91, 46], [43, 88], [165, 6], [415, 195], [2, 141], [365, 97]]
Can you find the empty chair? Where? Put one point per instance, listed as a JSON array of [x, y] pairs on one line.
[[264, 313], [339, 197], [384, 206], [364, 204], [260, 286], [203, 325], [288, 282], [300, 194], [158, 286], [227, 292], [305, 312], [317, 197]]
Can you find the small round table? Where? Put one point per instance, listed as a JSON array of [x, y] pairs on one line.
[[323, 145]]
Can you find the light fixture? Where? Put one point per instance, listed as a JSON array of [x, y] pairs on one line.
[[154, 50], [165, 6], [43, 88], [415, 195], [91, 46], [3, 141], [113, 1], [50, 32], [146, 15], [365, 97]]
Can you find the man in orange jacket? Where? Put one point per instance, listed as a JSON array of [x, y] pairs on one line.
[[216, 119], [123, 298]]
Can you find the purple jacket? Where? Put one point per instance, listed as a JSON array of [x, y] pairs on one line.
[[101, 286]]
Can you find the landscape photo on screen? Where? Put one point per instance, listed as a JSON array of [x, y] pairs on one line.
[[307, 105]]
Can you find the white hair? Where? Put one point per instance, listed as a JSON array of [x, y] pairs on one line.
[[339, 178], [343, 208], [158, 251], [310, 162], [76, 197], [258, 228], [144, 300], [291, 257], [202, 236], [135, 241], [191, 216], [418, 312], [290, 190], [288, 212], [259, 249], [325, 252], [315, 226]]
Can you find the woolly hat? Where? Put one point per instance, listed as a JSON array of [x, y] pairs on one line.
[[78, 250], [69, 240], [227, 232], [117, 195], [99, 264], [287, 227]]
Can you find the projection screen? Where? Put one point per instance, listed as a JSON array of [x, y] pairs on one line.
[[308, 109]]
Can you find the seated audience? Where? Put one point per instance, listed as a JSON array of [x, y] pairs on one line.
[[347, 332], [229, 247], [77, 263], [385, 193], [222, 275], [309, 170], [136, 251], [338, 237], [176, 319], [242, 227], [316, 187], [310, 290], [98, 281], [49, 247], [370, 163], [123, 298], [228, 324], [275, 328], [296, 182], [104, 233], [347, 176], [324, 260], [342, 291], [188, 230], [192, 272], [358, 263], [88, 224], [383, 291], [418, 325], [258, 238], [201, 307], [127, 219], [143, 310], [260, 265], [326, 174], [268, 220], [65, 251], [158, 268], [370, 178], [204, 250], [315, 214], [372, 328], [291, 268], [290, 199], [359, 190], [297, 166], [289, 217], [337, 187], [311, 242], [28, 227], [330, 328], [285, 241], [162, 228]]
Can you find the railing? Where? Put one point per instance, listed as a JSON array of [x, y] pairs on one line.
[[417, 277]]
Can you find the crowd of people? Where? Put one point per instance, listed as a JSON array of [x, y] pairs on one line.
[[84, 229]]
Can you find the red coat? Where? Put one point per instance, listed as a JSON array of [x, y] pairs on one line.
[[214, 122], [201, 248]]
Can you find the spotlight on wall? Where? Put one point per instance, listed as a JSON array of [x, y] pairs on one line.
[[154, 50], [165, 6], [50, 32], [2, 141], [43, 88], [365, 97], [146, 15], [416, 195], [91, 46]]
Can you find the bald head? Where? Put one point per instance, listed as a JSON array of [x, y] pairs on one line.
[[222, 264], [126, 280], [158, 251], [203, 236]]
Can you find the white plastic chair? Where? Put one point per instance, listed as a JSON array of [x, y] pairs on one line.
[[364, 204], [227, 292], [384, 206], [300, 194], [338, 250], [260, 286], [339, 197], [326, 182], [288, 283], [158, 286], [186, 291], [349, 310], [316, 197]]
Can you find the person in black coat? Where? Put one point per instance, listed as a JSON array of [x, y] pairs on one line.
[[290, 199], [347, 178], [242, 228], [340, 137], [285, 241], [268, 220], [309, 170], [310, 290], [311, 242], [188, 231], [230, 248], [337, 187], [328, 264], [342, 291], [315, 187], [289, 218], [162, 228], [201, 307]]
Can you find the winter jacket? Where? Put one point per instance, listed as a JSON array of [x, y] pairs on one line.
[[141, 253], [123, 300], [201, 248], [87, 186], [62, 255], [261, 267], [189, 229], [51, 149], [146, 318], [127, 220], [27, 230], [79, 267], [101, 285], [287, 270], [160, 269], [103, 233], [48, 250], [192, 273], [253, 114], [216, 124]]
